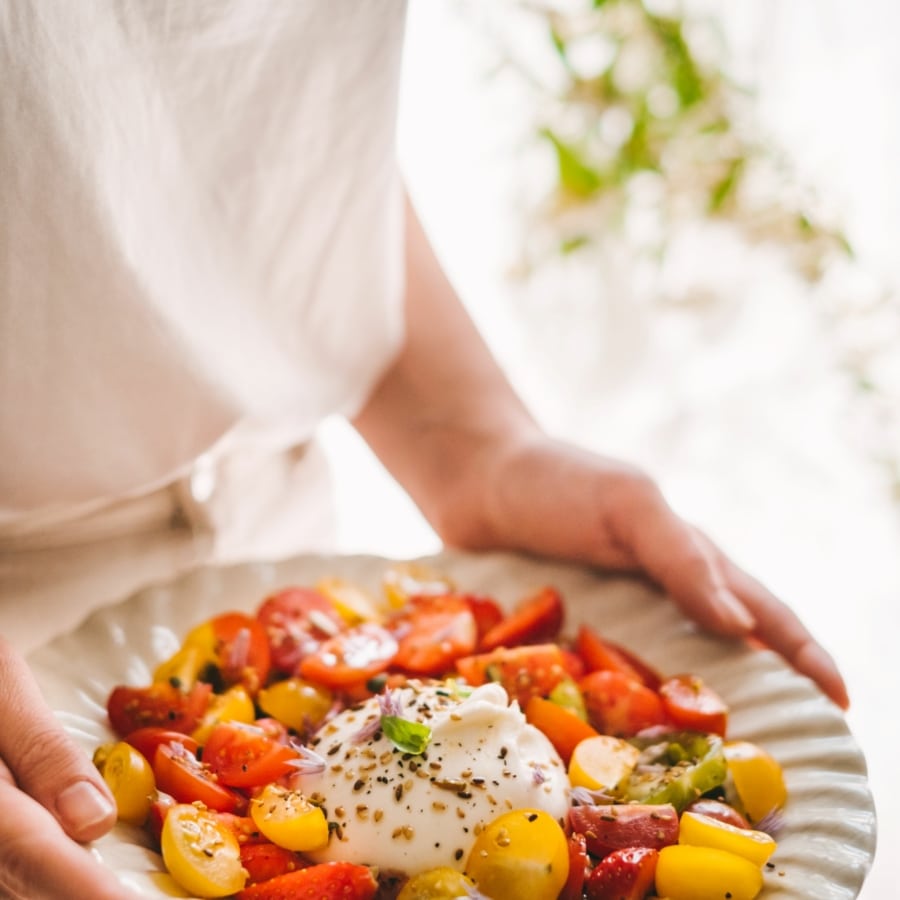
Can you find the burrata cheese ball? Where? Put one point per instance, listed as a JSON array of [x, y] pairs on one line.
[[410, 812]]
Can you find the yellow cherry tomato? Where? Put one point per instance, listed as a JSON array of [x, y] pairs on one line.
[[403, 580], [523, 853], [442, 883], [201, 854], [182, 668], [705, 831], [197, 651], [705, 873], [100, 755], [295, 702], [353, 604], [757, 778], [602, 761], [288, 819], [233, 705], [130, 778]]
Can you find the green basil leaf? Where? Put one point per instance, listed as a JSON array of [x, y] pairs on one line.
[[411, 737]]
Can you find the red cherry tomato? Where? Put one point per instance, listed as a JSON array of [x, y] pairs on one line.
[[162, 705], [244, 756], [432, 632], [264, 861], [598, 653], [146, 740], [351, 656], [187, 779], [619, 705], [537, 619], [487, 613], [242, 650], [296, 620], [242, 827], [161, 804], [693, 704], [525, 672]]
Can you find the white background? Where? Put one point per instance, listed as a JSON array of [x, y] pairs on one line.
[[742, 418]]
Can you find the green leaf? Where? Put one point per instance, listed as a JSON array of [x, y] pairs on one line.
[[725, 188], [411, 737], [571, 244], [684, 73], [576, 175]]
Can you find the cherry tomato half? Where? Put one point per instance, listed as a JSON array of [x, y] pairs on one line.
[[524, 672], [162, 705], [187, 779], [351, 656], [619, 705], [536, 619], [242, 650], [130, 779], [200, 853], [296, 620], [244, 756], [600, 653], [433, 632], [146, 740], [693, 704]]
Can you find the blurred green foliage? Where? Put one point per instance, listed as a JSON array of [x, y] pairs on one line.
[[644, 108]]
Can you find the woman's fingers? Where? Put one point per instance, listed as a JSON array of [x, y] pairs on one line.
[[707, 586], [679, 560], [38, 861], [45, 763], [779, 628]]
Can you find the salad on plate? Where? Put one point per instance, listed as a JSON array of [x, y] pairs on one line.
[[422, 743]]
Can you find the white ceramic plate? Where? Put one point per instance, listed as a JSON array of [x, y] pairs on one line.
[[828, 841]]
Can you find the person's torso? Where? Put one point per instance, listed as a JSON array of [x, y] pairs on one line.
[[200, 227]]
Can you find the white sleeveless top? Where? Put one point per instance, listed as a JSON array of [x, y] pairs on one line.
[[200, 243]]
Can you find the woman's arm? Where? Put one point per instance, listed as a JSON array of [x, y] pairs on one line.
[[447, 424]]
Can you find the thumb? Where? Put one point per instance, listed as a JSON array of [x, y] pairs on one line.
[[44, 760]]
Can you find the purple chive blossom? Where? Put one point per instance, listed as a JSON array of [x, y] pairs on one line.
[[771, 823], [373, 723], [308, 762], [537, 775], [240, 651], [389, 705], [582, 796]]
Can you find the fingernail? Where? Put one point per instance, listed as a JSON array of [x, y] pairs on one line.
[[81, 805], [735, 611], [818, 664]]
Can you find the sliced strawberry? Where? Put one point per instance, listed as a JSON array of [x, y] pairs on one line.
[[626, 874], [326, 881], [579, 866]]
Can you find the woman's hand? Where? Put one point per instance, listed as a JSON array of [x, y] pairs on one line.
[[446, 423], [52, 797], [550, 498]]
